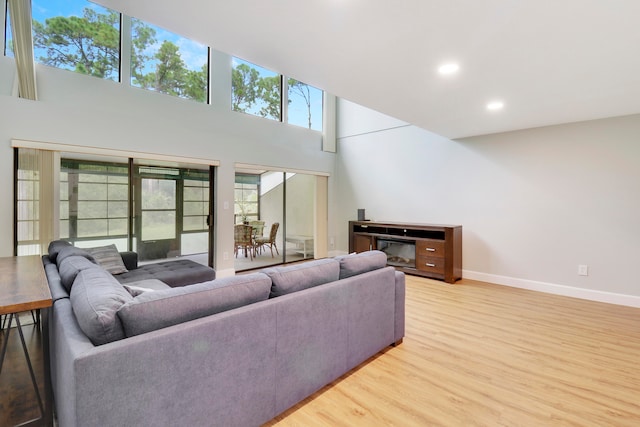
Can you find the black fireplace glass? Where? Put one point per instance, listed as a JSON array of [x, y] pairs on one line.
[[399, 253]]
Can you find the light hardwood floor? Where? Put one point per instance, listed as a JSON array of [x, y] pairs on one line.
[[477, 354]]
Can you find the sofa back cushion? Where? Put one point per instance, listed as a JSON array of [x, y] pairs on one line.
[[159, 309], [54, 248], [96, 297], [70, 267], [297, 277], [353, 264], [68, 251], [58, 291]]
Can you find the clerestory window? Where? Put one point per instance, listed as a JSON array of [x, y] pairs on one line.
[[305, 105], [74, 35], [256, 90], [167, 63]]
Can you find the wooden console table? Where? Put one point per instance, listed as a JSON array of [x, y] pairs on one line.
[[429, 250], [23, 287]]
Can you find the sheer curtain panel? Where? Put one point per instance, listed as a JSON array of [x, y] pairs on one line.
[[20, 14], [36, 209]]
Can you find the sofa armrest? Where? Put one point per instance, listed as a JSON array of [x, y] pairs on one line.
[[204, 368], [400, 309], [130, 259]]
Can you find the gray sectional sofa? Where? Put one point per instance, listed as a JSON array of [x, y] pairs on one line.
[[235, 351]]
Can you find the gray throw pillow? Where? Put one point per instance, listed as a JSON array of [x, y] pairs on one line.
[[96, 297], [297, 277], [108, 258], [160, 309], [353, 264]]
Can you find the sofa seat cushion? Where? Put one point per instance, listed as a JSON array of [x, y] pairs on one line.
[[70, 267], [155, 310], [146, 285], [95, 299], [174, 273], [353, 264], [297, 277]]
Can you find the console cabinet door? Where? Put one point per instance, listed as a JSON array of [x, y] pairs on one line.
[[363, 243]]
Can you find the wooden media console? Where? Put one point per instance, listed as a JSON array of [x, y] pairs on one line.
[[429, 250]]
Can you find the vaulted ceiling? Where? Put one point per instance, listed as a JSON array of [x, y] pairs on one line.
[[547, 61]]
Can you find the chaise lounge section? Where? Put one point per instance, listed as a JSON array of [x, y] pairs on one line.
[[124, 265]]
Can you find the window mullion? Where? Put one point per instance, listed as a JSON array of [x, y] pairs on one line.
[[284, 104]]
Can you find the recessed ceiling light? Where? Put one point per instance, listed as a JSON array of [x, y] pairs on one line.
[[495, 105], [448, 69]]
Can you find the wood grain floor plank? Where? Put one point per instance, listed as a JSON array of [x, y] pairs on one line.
[[477, 354]]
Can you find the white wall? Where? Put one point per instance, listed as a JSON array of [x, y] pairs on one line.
[[534, 204], [80, 110]]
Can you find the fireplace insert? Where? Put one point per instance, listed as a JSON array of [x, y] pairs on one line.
[[399, 253]]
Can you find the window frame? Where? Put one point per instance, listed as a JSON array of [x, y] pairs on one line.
[[74, 200]]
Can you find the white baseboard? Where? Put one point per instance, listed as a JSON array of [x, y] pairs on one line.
[[552, 288], [227, 272]]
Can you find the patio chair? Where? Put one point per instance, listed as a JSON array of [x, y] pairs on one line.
[[243, 240], [258, 228], [270, 240]]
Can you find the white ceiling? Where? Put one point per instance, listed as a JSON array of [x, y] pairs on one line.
[[549, 61]]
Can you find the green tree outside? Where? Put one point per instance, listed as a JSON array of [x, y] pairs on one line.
[[245, 87], [270, 90], [91, 45], [303, 91]]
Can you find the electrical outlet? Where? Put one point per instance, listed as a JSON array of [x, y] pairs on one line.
[[225, 256], [583, 270]]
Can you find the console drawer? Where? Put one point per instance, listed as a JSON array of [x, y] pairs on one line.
[[429, 248], [432, 264]]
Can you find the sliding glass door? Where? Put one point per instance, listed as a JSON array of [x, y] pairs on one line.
[[160, 210], [94, 202], [172, 212], [285, 203], [259, 203], [156, 215], [300, 230]]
